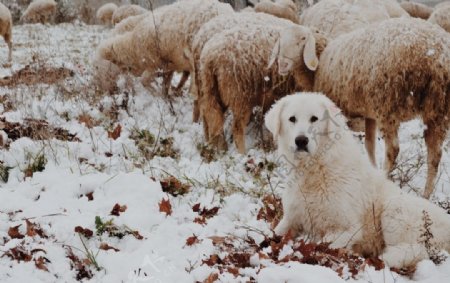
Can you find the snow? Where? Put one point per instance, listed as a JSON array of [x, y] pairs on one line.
[[115, 171], [300, 273]]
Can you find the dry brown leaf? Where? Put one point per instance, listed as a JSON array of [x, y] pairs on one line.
[[192, 240], [115, 134], [84, 231], [90, 196], [14, 233], [34, 229], [106, 247], [165, 206], [213, 277], [217, 240], [40, 263], [87, 120], [117, 209]]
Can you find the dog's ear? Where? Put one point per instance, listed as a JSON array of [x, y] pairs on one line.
[[272, 119]]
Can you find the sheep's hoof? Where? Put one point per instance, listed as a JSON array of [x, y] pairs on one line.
[[219, 143]]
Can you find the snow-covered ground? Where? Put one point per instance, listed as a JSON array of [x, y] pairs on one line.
[[94, 209]]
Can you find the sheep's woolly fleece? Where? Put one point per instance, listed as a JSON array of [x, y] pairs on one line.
[[186, 246]]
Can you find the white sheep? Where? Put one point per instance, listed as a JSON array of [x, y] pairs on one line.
[[105, 13], [6, 28], [441, 16], [158, 41], [39, 11], [207, 31], [336, 17], [394, 9], [388, 73], [417, 10], [443, 3], [126, 11], [129, 24], [233, 74], [285, 9]]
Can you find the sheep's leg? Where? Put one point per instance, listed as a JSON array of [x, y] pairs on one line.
[[371, 134], [434, 137], [7, 38], [392, 146], [240, 122], [196, 112], [213, 121], [183, 80], [167, 80]]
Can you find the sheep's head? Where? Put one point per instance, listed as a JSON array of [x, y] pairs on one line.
[[295, 46]]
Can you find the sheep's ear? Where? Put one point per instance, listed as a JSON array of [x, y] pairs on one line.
[[334, 117], [309, 53], [272, 119], [275, 53]]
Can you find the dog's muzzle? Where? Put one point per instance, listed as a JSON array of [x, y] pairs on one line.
[[302, 143]]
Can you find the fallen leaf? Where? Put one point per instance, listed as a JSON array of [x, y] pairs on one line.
[[233, 270], [33, 230], [84, 231], [117, 209], [165, 206], [87, 120], [216, 240], [196, 207], [200, 220], [211, 278], [40, 263], [192, 240], [14, 233], [115, 134], [212, 260], [90, 196], [174, 187], [106, 247]]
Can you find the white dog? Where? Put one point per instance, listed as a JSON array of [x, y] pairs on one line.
[[336, 195]]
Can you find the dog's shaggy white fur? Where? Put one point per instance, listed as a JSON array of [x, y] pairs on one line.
[[336, 195]]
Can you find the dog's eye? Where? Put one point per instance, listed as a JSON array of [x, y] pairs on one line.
[[313, 119], [292, 119]]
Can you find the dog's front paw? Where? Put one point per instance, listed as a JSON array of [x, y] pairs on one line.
[[282, 227]]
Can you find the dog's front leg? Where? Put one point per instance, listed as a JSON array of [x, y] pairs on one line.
[[344, 239], [283, 227]]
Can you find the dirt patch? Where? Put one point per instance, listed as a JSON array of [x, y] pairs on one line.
[[34, 129], [32, 76]]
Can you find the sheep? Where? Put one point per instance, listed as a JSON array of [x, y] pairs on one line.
[[417, 10], [126, 11], [208, 30], [39, 11], [336, 17], [158, 40], [129, 24], [441, 17], [389, 73], [6, 28], [443, 3], [234, 74], [285, 9], [105, 13], [394, 9]]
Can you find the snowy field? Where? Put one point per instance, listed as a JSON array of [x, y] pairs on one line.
[[119, 189]]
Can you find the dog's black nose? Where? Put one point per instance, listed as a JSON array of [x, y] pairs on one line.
[[302, 143]]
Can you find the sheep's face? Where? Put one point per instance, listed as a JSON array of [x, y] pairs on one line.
[[295, 47]]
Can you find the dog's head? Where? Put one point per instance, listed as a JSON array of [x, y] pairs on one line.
[[303, 123]]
